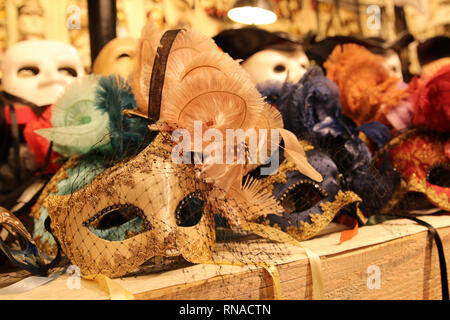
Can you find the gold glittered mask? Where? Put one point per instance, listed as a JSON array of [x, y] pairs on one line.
[[116, 57], [133, 211]]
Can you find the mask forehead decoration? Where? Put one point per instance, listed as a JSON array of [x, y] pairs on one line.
[[147, 204], [198, 73], [116, 57], [38, 70]]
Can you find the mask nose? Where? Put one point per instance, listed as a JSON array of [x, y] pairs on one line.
[[50, 76]]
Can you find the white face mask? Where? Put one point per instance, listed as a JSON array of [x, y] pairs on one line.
[[39, 70], [277, 65]]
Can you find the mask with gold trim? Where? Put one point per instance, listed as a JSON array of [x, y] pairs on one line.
[[89, 128], [131, 212], [308, 206]]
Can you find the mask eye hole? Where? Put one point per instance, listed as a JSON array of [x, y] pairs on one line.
[[68, 71], [28, 72], [302, 196], [279, 68], [439, 175], [124, 55], [190, 210], [118, 222]]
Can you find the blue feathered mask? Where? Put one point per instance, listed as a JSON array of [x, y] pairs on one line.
[[311, 109]]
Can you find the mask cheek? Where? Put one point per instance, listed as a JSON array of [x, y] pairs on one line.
[[197, 242]]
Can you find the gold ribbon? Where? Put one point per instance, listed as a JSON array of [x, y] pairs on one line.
[[113, 288]]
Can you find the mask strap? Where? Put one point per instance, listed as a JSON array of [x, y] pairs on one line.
[[442, 262], [159, 73], [113, 288]]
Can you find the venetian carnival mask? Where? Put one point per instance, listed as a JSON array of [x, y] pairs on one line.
[[422, 154], [38, 70], [124, 216], [149, 203], [277, 65], [116, 57], [308, 206]]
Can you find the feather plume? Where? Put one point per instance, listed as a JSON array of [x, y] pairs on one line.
[[146, 51], [260, 200], [187, 46], [244, 203], [220, 102], [294, 152], [79, 94], [270, 118], [127, 133], [78, 125], [210, 61]]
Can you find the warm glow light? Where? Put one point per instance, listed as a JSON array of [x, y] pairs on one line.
[[252, 15]]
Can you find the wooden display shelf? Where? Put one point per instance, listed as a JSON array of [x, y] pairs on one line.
[[402, 252]]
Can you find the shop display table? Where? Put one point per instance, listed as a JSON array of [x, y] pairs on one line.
[[393, 260]]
